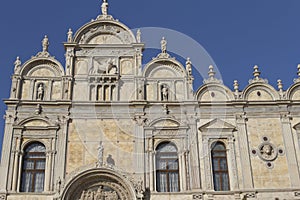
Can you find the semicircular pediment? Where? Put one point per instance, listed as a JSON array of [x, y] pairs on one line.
[[42, 68], [164, 69], [260, 92], [104, 32], [98, 184]]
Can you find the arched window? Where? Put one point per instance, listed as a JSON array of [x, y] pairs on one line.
[[167, 169], [220, 167], [33, 169]]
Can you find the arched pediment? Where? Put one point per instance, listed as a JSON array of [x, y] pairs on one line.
[[164, 68], [35, 122], [42, 67], [293, 93], [165, 122], [99, 181], [100, 32], [214, 92], [260, 92]]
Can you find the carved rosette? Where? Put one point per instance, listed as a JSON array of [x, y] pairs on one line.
[[267, 152]]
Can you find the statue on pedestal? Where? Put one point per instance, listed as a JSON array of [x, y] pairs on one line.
[[45, 43], [17, 64], [163, 44], [104, 7]]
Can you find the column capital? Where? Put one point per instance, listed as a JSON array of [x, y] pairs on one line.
[[286, 117], [241, 117]]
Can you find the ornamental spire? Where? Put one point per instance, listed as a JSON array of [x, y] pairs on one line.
[[256, 72]]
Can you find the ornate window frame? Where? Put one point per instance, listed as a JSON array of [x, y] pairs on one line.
[[159, 132], [218, 131], [34, 157], [25, 134], [167, 157]]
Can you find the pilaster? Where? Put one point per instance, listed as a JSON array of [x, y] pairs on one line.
[[290, 149], [241, 122], [6, 152]]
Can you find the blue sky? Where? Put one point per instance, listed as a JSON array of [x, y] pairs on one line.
[[236, 34]]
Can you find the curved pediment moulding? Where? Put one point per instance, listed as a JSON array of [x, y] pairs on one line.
[[41, 65], [259, 91], [36, 123], [293, 93], [97, 181], [104, 31], [214, 92], [164, 68], [213, 89], [162, 123]]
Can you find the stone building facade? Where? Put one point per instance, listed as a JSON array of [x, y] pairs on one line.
[[101, 127]]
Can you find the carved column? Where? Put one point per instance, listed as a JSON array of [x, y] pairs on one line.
[[32, 89], [6, 149], [21, 155], [139, 144], [61, 149], [173, 92], [14, 87], [50, 88], [233, 166], [207, 165], [194, 155], [154, 171], [19, 87], [16, 154], [244, 151], [187, 167], [47, 171], [290, 150], [183, 170]]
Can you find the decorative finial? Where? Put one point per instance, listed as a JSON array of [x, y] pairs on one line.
[[104, 7], [70, 35], [163, 44], [188, 66], [280, 85], [211, 72], [256, 72], [45, 43], [236, 86], [17, 64], [138, 36]]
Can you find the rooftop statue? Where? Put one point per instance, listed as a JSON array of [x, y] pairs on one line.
[[163, 45], [45, 43], [104, 7]]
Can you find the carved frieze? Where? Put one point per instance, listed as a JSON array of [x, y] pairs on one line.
[[100, 193]]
